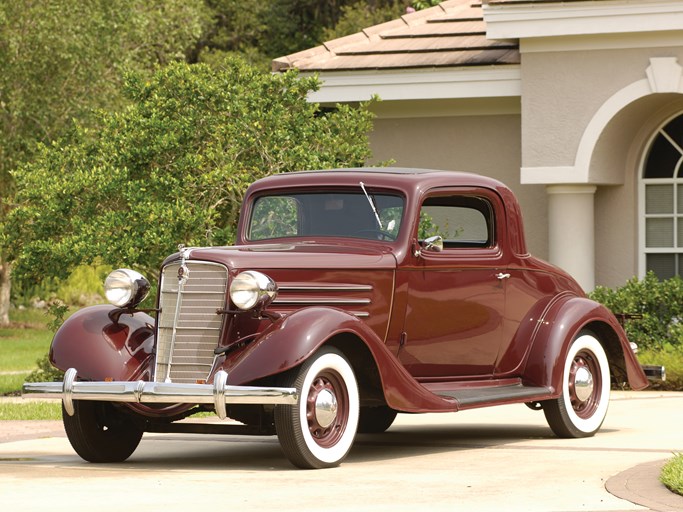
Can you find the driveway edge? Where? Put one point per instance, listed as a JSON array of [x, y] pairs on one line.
[[641, 485]]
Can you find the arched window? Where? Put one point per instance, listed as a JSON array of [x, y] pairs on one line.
[[662, 202]]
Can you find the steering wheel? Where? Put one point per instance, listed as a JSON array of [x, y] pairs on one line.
[[379, 234]]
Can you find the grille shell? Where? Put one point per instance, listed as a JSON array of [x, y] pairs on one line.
[[186, 340]]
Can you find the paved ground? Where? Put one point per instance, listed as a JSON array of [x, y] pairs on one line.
[[503, 459]]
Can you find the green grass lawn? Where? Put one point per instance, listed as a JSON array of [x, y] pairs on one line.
[[672, 474], [20, 346], [51, 410]]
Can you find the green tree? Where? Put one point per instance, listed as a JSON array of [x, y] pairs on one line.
[[173, 167], [267, 29], [355, 17], [60, 59]]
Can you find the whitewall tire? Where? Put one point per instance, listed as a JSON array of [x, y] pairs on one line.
[[582, 407], [319, 431]]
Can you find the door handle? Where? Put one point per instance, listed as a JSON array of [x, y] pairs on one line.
[[502, 276]]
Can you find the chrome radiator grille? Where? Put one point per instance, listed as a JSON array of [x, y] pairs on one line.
[[188, 325]]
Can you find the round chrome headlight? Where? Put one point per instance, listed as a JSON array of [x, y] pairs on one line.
[[250, 289], [125, 288]]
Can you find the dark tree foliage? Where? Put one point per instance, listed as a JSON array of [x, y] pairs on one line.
[[267, 29]]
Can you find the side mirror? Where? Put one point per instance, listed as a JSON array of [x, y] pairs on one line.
[[431, 244]]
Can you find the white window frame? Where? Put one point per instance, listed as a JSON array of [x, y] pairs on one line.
[[677, 179]]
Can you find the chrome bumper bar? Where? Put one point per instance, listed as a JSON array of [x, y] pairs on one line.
[[219, 393]]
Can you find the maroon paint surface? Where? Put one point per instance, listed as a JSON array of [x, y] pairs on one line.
[[433, 320]]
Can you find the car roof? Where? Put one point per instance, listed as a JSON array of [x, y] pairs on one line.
[[392, 177]]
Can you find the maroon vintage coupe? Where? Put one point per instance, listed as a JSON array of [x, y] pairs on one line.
[[351, 295]]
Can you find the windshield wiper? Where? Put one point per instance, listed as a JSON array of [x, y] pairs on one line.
[[371, 200]]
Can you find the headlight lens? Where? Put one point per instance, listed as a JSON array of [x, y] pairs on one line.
[[125, 288], [251, 288]]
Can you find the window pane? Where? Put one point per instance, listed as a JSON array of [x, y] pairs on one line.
[[274, 217], [663, 265], [675, 130], [659, 199], [662, 159], [454, 223], [659, 232], [329, 213]]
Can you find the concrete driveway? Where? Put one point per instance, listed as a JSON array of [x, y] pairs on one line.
[[503, 459]]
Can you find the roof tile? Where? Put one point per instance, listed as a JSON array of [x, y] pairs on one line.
[[451, 34]]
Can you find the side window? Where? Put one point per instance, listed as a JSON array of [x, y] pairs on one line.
[[274, 217], [462, 221]]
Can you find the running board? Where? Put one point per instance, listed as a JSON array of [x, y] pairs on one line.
[[472, 397]]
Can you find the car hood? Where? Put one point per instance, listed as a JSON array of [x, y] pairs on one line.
[[301, 255]]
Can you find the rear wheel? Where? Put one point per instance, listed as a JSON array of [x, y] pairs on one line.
[[582, 407], [99, 432], [375, 420], [318, 432]]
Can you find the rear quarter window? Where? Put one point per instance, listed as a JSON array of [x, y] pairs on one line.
[[462, 221]]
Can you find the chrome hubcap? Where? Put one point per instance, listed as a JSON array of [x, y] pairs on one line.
[[325, 408], [583, 384]]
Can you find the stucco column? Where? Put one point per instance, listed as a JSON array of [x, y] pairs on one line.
[[571, 231]]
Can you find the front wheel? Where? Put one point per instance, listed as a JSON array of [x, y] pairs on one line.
[[99, 432], [582, 407], [318, 432]]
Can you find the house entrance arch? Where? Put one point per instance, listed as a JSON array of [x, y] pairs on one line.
[[616, 127]]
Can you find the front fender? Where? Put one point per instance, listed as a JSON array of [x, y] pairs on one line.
[[101, 349], [560, 326], [289, 341], [286, 343]]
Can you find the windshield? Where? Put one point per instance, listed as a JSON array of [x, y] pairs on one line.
[[339, 214]]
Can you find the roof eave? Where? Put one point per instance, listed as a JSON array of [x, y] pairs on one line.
[[418, 84], [519, 20]]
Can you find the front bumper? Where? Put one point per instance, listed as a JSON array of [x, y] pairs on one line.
[[219, 393]]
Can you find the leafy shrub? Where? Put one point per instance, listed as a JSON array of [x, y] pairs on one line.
[[659, 302], [83, 287], [671, 357], [173, 167], [672, 474], [45, 372]]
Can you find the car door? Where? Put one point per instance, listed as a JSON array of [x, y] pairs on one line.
[[456, 297]]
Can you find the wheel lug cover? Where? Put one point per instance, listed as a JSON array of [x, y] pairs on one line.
[[583, 384], [325, 408]]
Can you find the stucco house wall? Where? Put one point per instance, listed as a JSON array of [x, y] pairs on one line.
[[485, 144], [552, 131], [560, 99], [563, 89]]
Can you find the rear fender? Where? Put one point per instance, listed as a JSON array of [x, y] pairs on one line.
[[291, 340], [101, 349], [563, 322]]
